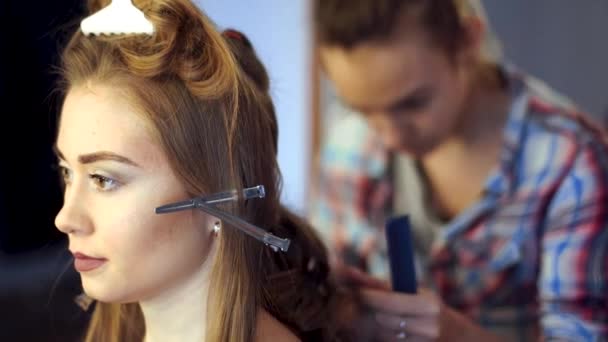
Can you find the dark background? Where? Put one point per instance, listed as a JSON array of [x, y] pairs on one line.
[[37, 284]]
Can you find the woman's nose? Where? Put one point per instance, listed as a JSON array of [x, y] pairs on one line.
[[73, 218]]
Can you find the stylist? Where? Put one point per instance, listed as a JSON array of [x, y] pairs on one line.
[[505, 182]]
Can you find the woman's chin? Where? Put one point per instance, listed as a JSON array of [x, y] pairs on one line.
[[101, 296], [105, 293]]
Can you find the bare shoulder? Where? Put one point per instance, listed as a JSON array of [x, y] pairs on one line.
[[270, 329]]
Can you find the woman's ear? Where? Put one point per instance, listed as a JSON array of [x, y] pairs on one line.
[[217, 226]]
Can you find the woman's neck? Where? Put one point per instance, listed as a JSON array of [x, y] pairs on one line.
[[179, 314]]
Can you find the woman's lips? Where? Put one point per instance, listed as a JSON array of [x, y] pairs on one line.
[[84, 263]]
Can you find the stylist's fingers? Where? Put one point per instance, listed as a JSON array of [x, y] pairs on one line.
[[396, 336], [400, 304], [423, 327], [390, 335]]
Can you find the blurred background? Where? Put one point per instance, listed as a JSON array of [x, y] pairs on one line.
[[562, 42]]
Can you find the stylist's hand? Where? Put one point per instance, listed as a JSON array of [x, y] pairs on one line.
[[420, 317]]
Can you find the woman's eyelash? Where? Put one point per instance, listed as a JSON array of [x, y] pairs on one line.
[[64, 173], [103, 183]]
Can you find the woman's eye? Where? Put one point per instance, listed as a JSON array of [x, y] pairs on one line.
[[65, 173], [103, 183]]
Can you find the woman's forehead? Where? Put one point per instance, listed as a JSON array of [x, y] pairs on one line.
[[102, 119]]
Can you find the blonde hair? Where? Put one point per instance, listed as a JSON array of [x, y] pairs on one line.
[[216, 124]]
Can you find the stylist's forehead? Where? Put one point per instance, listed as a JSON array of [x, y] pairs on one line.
[[377, 75]]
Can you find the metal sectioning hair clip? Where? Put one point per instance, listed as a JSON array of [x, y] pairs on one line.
[[207, 204], [120, 17]]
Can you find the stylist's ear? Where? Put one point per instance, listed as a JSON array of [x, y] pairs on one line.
[[474, 30]]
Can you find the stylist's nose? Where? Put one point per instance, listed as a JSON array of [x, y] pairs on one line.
[[73, 219], [387, 128]]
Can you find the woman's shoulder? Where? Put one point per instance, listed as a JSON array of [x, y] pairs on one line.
[[270, 329]]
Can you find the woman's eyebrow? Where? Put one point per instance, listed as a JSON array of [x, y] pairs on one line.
[[98, 156]]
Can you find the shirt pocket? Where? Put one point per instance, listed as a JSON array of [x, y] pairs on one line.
[[508, 255], [507, 239], [492, 249]]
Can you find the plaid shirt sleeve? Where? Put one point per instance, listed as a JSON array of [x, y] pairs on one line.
[[573, 280], [352, 164]]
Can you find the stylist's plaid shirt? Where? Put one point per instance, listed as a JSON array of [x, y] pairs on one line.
[[531, 257]]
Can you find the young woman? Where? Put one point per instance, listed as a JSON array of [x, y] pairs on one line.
[[152, 120]]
